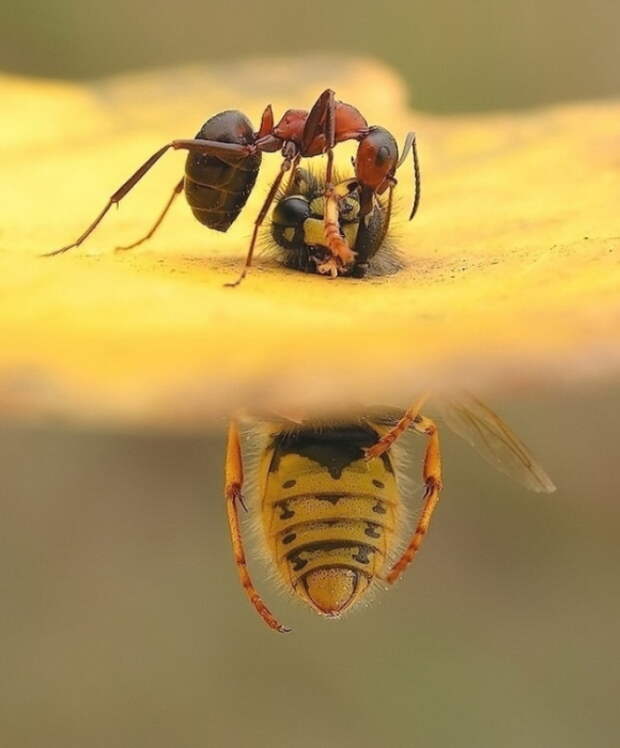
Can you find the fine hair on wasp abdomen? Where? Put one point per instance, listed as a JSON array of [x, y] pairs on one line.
[[330, 521]]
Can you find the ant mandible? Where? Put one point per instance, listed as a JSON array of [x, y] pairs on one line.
[[224, 159]]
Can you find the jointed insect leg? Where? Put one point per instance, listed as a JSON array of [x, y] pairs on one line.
[[286, 165], [115, 198], [199, 146], [342, 254], [387, 217], [408, 419], [234, 483], [293, 174], [177, 191], [322, 121], [432, 481]]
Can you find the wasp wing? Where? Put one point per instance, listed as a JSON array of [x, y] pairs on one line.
[[485, 431]]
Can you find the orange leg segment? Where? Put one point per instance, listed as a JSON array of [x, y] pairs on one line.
[[336, 242], [431, 473], [234, 482], [386, 441], [432, 480]]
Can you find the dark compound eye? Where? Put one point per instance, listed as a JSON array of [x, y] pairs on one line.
[[291, 211]]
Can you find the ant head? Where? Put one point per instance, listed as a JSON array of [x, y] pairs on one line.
[[291, 126]]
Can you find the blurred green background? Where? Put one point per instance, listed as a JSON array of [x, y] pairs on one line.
[[455, 56], [124, 624]]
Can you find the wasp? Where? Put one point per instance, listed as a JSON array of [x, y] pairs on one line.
[[331, 494], [298, 236], [224, 159]]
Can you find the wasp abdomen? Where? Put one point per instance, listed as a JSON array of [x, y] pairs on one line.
[[217, 187], [330, 546], [329, 516]]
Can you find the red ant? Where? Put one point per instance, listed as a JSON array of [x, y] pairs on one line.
[[225, 156]]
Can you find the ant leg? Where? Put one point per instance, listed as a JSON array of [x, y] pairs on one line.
[[196, 145], [266, 123], [410, 143], [177, 191], [116, 198], [322, 121], [363, 241], [234, 482], [286, 165], [432, 480], [291, 179], [409, 418], [336, 242], [387, 216]]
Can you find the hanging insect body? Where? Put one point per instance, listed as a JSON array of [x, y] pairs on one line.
[[332, 495]]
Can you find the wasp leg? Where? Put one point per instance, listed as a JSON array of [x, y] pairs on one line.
[[177, 191], [410, 143], [286, 165], [200, 146], [234, 482], [385, 442], [336, 243], [432, 480]]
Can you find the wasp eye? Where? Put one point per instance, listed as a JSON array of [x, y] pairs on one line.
[[291, 211]]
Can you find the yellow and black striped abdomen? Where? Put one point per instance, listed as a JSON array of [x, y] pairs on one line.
[[329, 516]]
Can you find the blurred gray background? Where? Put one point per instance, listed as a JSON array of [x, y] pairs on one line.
[[455, 56], [124, 625]]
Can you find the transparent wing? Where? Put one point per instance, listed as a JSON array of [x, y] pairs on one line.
[[492, 439]]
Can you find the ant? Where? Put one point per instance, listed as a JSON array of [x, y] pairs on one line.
[[225, 156]]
